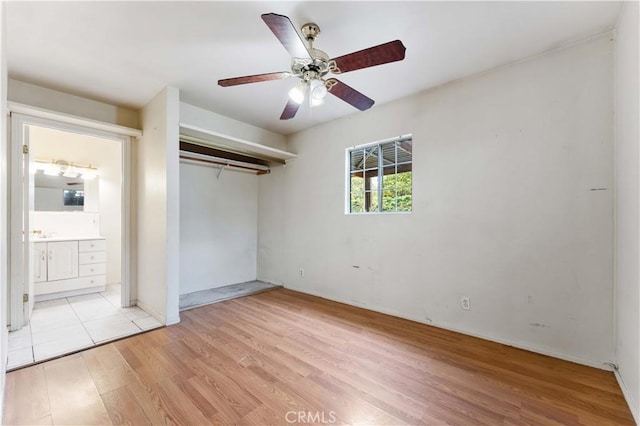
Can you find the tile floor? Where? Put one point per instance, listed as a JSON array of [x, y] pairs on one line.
[[65, 325]]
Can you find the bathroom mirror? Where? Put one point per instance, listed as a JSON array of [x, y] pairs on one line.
[[60, 193]]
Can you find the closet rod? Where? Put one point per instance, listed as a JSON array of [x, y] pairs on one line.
[[222, 163]]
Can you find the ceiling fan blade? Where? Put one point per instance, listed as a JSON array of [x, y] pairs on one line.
[[290, 110], [254, 78], [284, 30], [377, 55], [349, 94]]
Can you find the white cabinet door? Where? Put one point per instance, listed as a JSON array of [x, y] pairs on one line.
[[39, 262], [63, 260]]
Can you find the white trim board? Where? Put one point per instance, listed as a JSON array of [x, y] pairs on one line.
[[19, 120], [19, 108]]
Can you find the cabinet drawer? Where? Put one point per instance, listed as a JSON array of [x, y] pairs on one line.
[[72, 284], [93, 269], [92, 257], [92, 245]]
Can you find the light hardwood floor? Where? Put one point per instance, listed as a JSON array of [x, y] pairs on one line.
[[282, 357]]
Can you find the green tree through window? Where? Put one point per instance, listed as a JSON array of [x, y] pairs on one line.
[[381, 178]]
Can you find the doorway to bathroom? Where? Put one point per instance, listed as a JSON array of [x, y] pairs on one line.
[[70, 286]]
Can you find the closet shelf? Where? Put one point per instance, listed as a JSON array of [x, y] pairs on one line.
[[199, 135]]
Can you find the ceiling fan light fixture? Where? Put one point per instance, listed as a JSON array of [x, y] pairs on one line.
[[318, 91], [297, 93]]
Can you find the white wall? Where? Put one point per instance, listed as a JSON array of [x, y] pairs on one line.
[[67, 224], [106, 156], [507, 208], [4, 145], [627, 219], [158, 197], [222, 125], [30, 94], [218, 227]]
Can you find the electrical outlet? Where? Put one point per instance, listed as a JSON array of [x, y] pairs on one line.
[[465, 303], [301, 272]]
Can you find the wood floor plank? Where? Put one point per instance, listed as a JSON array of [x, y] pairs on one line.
[[179, 404], [93, 413], [264, 358], [108, 368], [26, 397], [73, 394], [123, 409], [151, 403]]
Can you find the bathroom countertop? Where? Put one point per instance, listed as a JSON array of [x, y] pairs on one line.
[[71, 238]]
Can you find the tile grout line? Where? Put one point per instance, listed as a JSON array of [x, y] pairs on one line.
[[81, 322], [119, 308]]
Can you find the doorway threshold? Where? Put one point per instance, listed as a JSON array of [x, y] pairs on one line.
[[220, 294]]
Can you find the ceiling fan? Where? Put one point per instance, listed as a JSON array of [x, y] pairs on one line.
[[311, 66]]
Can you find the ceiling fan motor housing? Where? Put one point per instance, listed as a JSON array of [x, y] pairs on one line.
[[316, 67], [310, 31], [308, 69]]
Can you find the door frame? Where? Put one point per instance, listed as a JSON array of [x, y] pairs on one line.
[[18, 120]]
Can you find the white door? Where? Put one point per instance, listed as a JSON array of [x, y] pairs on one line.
[[22, 273], [62, 261], [40, 262]]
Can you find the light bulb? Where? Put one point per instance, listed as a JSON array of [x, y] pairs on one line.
[[71, 172], [318, 90], [51, 170], [297, 93]]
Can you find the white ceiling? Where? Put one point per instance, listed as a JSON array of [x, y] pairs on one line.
[[125, 52]]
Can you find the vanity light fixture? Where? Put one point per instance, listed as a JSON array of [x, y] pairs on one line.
[[49, 169], [70, 170]]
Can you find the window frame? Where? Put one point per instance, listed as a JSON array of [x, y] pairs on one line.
[[380, 168]]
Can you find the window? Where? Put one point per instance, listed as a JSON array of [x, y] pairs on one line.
[[380, 177]]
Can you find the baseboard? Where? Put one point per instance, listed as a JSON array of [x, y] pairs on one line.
[[635, 410], [601, 365], [68, 293]]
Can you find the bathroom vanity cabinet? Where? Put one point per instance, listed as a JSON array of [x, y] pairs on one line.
[[69, 267]]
